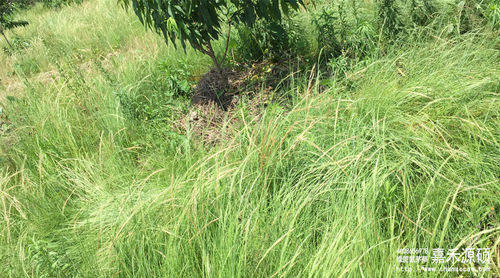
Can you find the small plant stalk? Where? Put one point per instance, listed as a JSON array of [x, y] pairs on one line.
[[7, 41], [227, 43]]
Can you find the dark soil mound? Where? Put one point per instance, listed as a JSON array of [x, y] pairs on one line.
[[214, 87], [212, 118]]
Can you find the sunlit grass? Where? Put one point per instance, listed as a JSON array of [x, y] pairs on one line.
[[404, 153]]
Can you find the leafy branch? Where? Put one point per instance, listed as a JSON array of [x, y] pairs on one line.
[[199, 22], [6, 19]]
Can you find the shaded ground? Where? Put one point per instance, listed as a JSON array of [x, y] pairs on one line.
[[217, 96]]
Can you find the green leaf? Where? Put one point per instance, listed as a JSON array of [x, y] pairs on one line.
[[205, 17], [172, 25], [294, 4], [275, 10], [170, 12], [184, 86], [277, 30], [284, 7], [263, 9], [198, 22], [250, 16]]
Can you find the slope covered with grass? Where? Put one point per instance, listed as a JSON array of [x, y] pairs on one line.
[[403, 152]]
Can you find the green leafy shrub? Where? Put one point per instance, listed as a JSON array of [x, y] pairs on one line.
[[470, 15], [59, 3], [155, 95], [18, 44], [7, 9], [324, 21], [26, 66], [345, 31], [48, 258], [24, 4], [269, 40], [422, 11], [200, 22], [389, 18]]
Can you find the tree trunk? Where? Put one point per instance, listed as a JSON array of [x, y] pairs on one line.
[[211, 53]]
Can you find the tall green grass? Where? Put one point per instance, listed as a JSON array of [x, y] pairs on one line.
[[404, 153]]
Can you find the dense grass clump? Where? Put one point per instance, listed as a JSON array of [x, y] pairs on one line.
[[395, 146]]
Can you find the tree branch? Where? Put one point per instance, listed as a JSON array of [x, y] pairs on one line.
[[212, 55], [201, 49], [227, 43]]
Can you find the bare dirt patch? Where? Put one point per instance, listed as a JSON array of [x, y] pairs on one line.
[[214, 87], [213, 118], [220, 88]]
